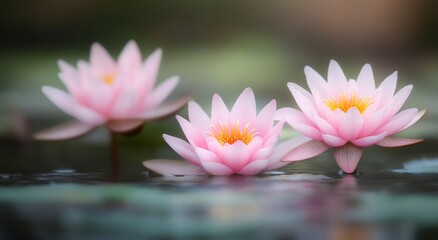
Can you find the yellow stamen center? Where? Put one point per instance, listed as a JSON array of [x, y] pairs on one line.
[[109, 78], [345, 102], [231, 133]]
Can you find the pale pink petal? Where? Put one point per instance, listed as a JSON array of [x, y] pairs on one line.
[[125, 125], [315, 81], [283, 148], [219, 111], [273, 134], [67, 104], [68, 130], [336, 80], [198, 117], [416, 118], [398, 142], [235, 156], [244, 109], [305, 129], [398, 101], [216, 168], [293, 87], [265, 118], [101, 60], [333, 141], [375, 121], [205, 155], [165, 109], [281, 113], [369, 140], [351, 126], [123, 107], [130, 58], [388, 88], [305, 151], [347, 157], [399, 121], [365, 80], [161, 92], [173, 167], [183, 148], [323, 125], [147, 76], [192, 134], [69, 77], [263, 153], [254, 167]]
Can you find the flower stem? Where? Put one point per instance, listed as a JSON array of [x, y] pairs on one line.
[[115, 160]]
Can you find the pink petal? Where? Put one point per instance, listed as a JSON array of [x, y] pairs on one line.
[[284, 148], [147, 76], [205, 155], [323, 125], [162, 91], [365, 80], [183, 148], [374, 122], [130, 58], [216, 168], [336, 80], [165, 109], [68, 130], [253, 168], [398, 100], [305, 151], [281, 113], [273, 134], [173, 167], [244, 108], [399, 121], [398, 142], [192, 134], [333, 141], [416, 118], [235, 156], [101, 60], [67, 104], [347, 157], [198, 117], [305, 129], [219, 112], [295, 88], [265, 118], [263, 153], [315, 81], [388, 88], [351, 125], [69, 77], [123, 107], [369, 140], [125, 125]]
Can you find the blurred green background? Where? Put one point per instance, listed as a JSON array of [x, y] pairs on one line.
[[215, 47]]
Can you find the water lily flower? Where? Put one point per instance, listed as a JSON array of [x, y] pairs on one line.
[[229, 142], [119, 94], [348, 115]]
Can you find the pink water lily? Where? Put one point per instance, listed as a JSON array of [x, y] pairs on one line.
[[119, 94], [348, 115], [229, 142]]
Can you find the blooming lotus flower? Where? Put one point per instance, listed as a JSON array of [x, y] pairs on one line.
[[349, 115], [120, 93], [236, 142]]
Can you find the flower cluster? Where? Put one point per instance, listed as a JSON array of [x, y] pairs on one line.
[[346, 115]]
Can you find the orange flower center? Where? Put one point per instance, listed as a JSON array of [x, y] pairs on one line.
[[231, 133], [345, 102], [109, 78]]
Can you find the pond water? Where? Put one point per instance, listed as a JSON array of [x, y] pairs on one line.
[[392, 196]]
